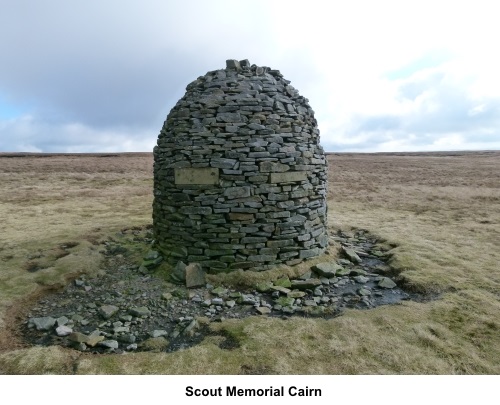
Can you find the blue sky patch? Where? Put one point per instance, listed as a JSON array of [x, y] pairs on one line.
[[429, 60]]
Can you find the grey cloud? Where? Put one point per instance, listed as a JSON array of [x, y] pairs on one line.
[[116, 64], [31, 135]]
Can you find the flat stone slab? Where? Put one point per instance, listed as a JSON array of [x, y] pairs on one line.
[[386, 283], [139, 311], [107, 311], [90, 340], [179, 273], [43, 323], [63, 330], [195, 276], [296, 294], [110, 344], [310, 284], [288, 177], [361, 279], [343, 272], [327, 269], [280, 289], [263, 310], [201, 175], [351, 255]]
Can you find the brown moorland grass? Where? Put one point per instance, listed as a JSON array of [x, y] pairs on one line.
[[440, 212]]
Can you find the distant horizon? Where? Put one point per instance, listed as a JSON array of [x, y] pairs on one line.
[[326, 152]]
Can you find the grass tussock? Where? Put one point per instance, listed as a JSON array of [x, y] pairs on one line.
[[437, 215]]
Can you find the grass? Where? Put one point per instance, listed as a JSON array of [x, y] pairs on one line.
[[439, 214]]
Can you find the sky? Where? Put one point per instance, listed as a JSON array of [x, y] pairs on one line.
[[382, 76]]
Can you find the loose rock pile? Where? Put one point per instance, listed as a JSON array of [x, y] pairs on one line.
[[239, 175], [129, 309]]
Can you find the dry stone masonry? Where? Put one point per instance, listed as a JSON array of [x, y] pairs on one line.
[[239, 176]]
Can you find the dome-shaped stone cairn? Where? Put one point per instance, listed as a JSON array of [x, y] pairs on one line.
[[239, 176]]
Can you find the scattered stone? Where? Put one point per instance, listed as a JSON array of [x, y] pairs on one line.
[[188, 331], [125, 318], [361, 279], [343, 272], [247, 299], [351, 255], [296, 294], [107, 311], [93, 339], [179, 273], [61, 321], [63, 330], [327, 269], [110, 344], [344, 262], [127, 338], [77, 318], [306, 284], [139, 311], [263, 310], [358, 272], [386, 282], [78, 337], [171, 309], [89, 340], [195, 276], [159, 332], [219, 291], [43, 323], [280, 289]]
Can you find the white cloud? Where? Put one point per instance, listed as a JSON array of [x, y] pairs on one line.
[[27, 134]]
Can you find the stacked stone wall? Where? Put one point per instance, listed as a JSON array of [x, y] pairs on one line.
[[239, 176]]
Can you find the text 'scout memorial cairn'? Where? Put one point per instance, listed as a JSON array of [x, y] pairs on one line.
[[240, 179]]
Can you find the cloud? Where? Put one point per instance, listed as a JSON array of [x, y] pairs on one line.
[[87, 75], [28, 134], [435, 111]]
